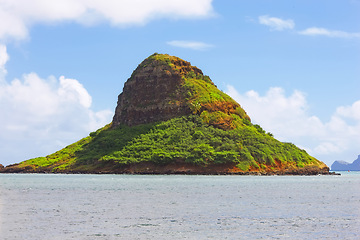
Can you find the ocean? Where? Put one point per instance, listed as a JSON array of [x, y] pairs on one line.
[[59, 206]]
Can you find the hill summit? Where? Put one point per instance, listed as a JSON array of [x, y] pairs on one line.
[[163, 87], [171, 118]]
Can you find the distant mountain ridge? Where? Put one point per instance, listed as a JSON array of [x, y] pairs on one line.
[[172, 119], [345, 166]]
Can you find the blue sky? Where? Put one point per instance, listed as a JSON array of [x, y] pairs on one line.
[[293, 66]]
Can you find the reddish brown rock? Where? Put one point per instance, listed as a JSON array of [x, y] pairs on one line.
[[159, 89], [151, 93]]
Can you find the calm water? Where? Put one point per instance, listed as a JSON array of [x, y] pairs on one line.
[[40, 206]]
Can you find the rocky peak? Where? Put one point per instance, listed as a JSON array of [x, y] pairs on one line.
[[147, 95], [163, 87]]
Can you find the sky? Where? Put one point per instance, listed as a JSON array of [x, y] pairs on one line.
[[294, 66]]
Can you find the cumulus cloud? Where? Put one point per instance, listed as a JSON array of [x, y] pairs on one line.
[[314, 31], [17, 16], [46, 114], [72, 90], [39, 116], [352, 111], [287, 117], [276, 24], [190, 45], [33, 101]]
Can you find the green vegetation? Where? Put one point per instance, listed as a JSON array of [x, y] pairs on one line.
[[199, 92], [61, 159], [218, 132], [204, 91], [186, 139], [156, 58], [214, 106]]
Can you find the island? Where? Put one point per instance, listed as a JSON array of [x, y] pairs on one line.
[[172, 119]]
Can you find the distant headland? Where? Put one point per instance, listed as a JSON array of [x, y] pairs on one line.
[[345, 166]]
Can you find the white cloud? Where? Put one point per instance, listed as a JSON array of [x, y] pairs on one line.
[[72, 90], [279, 24], [276, 24], [4, 57], [288, 119], [352, 111], [190, 45], [34, 102], [39, 116], [17, 16], [314, 31]]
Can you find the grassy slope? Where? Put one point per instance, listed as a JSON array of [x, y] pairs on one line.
[[184, 138]]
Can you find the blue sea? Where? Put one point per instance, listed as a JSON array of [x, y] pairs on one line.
[[57, 206]]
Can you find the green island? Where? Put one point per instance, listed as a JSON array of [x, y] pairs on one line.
[[172, 119]]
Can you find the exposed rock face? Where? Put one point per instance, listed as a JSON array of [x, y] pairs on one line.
[[1, 166], [152, 92], [345, 166], [163, 87]]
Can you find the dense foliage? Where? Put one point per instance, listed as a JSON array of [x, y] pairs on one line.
[[186, 139]]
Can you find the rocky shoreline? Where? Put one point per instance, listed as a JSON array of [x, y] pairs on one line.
[[174, 169]]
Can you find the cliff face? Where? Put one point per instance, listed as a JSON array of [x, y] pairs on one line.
[[149, 93], [163, 87]]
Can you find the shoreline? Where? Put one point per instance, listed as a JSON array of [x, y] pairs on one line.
[[175, 168]]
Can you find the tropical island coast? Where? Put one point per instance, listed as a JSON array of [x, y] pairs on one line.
[[172, 119]]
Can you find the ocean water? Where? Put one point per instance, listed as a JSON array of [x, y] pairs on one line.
[[49, 206]]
